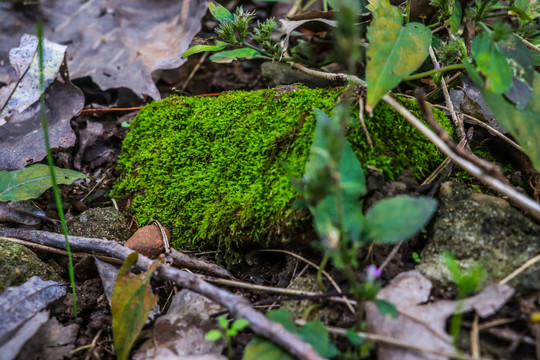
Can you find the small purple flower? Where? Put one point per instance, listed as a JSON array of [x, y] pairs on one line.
[[373, 272], [438, 65]]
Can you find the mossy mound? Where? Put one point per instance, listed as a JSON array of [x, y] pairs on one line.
[[213, 167]]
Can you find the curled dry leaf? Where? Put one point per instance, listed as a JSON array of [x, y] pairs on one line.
[[21, 134], [422, 323], [118, 44]]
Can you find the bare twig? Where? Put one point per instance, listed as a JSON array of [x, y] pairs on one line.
[[521, 269], [529, 44], [328, 276], [328, 76], [458, 123], [236, 304], [518, 198], [195, 69], [465, 153], [362, 121], [478, 122]]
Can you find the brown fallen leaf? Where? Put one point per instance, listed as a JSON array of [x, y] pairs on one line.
[[118, 44], [422, 323]]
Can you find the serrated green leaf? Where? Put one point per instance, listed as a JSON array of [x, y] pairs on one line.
[[524, 125], [220, 45], [213, 335], [394, 51], [219, 12], [132, 300], [228, 56], [491, 63], [32, 181], [397, 218], [386, 308]]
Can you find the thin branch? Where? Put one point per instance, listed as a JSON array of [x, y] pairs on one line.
[[478, 122], [236, 304], [328, 76], [458, 122], [524, 202], [328, 276]]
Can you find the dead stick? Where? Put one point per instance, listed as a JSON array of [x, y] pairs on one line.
[[236, 304]]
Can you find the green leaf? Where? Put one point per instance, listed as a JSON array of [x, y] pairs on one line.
[[131, 302], [355, 339], [213, 335], [220, 45], [32, 181], [491, 63], [394, 51], [455, 20], [240, 324], [220, 12], [262, 349], [386, 308], [313, 333], [524, 125], [222, 320], [526, 10], [397, 218], [228, 56]]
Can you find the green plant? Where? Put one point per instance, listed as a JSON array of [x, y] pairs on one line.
[[228, 331], [333, 186], [313, 332], [52, 170], [467, 281]]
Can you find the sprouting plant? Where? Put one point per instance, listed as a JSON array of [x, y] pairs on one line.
[[467, 281], [333, 187], [227, 331], [237, 31]]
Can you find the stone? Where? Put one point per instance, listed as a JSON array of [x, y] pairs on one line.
[[18, 264], [479, 229], [102, 223]]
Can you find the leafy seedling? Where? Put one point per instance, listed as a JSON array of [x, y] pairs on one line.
[[228, 331], [467, 281]]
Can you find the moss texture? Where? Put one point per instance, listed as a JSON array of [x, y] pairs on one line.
[[214, 168]]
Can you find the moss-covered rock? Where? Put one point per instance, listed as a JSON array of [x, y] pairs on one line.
[[213, 168]]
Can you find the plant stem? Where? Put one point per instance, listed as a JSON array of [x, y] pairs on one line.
[[320, 272], [51, 164], [435, 71]]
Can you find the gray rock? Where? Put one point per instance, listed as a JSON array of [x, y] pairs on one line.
[[18, 264], [479, 229], [103, 223]]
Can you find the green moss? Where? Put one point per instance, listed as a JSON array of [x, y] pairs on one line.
[[213, 168]]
